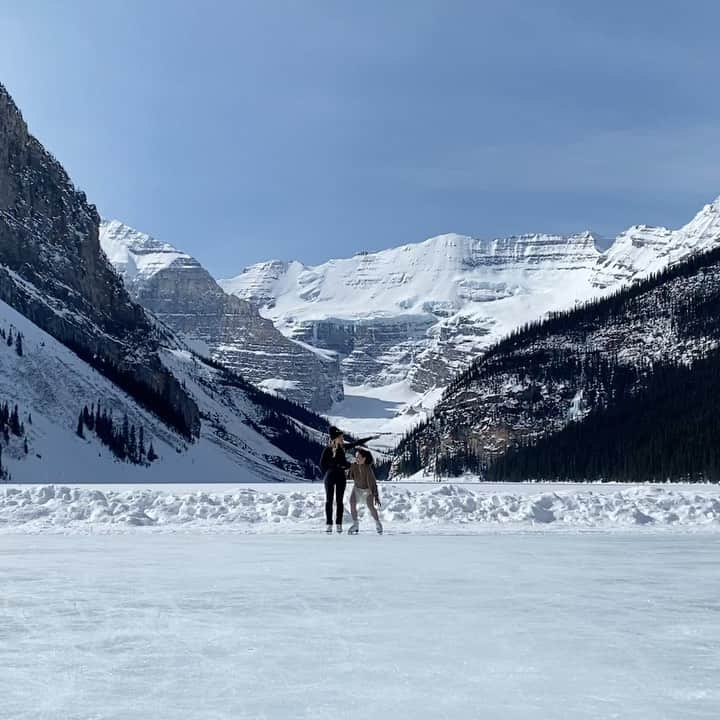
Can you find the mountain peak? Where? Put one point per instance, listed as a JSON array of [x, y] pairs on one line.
[[137, 255]]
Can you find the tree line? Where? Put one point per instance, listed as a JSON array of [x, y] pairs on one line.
[[123, 440], [668, 431]]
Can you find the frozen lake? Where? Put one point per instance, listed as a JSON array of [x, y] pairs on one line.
[[162, 626]]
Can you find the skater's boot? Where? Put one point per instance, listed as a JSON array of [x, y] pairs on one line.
[[379, 527], [338, 528], [328, 528], [354, 528]]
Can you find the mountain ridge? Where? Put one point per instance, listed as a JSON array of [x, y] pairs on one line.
[[176, 288]]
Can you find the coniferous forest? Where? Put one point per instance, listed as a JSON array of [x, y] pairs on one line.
[[124, 441], [621, 388], [667, 432]]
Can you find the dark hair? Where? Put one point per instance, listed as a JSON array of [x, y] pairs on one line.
[[334, 432], [367, 455]]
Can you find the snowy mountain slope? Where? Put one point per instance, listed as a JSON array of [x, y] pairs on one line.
[[405, 320], [178, 290], [50, 383], [74, 337], [642, 250], [536, 381], [137, 256]]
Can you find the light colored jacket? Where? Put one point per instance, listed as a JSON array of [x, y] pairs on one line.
[[364, 478]]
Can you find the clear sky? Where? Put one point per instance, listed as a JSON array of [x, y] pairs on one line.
[[247, 130]]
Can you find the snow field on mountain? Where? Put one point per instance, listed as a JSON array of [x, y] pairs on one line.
[[300, 509], [228, 627], [53, 384]]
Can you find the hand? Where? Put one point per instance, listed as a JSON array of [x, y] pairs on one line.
[[377, 501]]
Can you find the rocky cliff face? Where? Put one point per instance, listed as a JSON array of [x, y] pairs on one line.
[[52, 271], [181, 293]]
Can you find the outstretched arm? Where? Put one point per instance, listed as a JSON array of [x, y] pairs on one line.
[[361, 441]]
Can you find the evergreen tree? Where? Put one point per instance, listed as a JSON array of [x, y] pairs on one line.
[[132, 445], [79, 432], [18, 344], [151, 453], [15, 422]]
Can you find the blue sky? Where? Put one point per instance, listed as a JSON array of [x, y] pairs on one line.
[[242, 131]]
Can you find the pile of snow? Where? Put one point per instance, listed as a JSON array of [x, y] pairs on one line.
[[51, 507]]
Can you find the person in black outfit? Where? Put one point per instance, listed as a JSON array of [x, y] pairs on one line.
[[335, 465]]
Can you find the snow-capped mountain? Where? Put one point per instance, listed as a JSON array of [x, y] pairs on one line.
[[642, 250], [416, 313], [589, 359], [73, 337], [177, 289], [405, 320]]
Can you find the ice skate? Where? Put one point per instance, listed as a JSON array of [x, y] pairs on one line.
[[379, 527], [354, 528]]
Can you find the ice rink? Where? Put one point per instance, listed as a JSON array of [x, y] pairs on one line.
[[210, 626]]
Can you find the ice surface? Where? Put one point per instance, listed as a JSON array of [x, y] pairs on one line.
[[440, 508], [232, 627]]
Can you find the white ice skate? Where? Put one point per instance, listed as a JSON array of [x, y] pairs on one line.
[[379, 527], [354, 528]]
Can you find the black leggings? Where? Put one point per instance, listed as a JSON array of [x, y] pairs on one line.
[[334, 485]]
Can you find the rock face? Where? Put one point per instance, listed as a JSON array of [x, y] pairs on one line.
[[419, 313], [73, 337], [52, 271], [180, 292]]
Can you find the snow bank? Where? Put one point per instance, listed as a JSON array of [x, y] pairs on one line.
[[48, 507]]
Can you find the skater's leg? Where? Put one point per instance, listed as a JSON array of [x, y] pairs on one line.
[[353, 506], [329, 491], [372, 508], [339, 498]]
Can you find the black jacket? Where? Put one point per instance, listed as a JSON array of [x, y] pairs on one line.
[[334, 464]]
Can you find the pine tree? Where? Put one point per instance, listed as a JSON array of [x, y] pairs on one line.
[[79, 430], [151, 453], [132, 446], [25, 446], [18, 344], [15, 422], [141, 444], [125, 432]]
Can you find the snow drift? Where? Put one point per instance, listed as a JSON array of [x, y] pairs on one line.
[[460, 509]]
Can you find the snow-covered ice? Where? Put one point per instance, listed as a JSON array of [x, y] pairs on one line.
[[299, 508], [226, 626]]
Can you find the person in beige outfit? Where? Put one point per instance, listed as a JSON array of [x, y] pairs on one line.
[[365, 489]]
